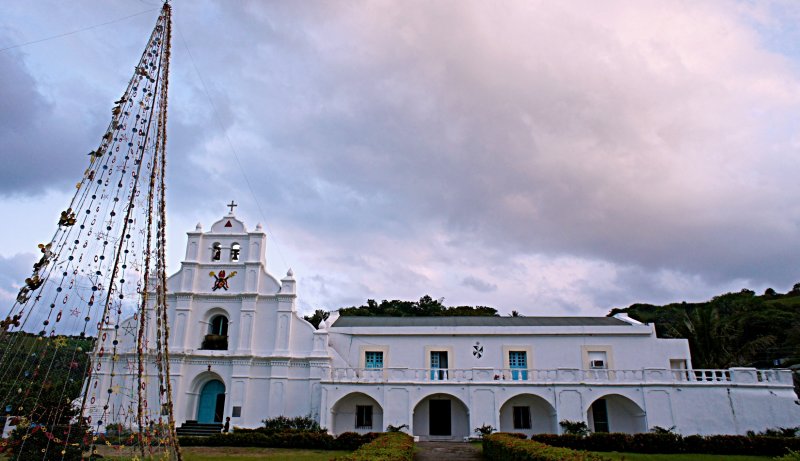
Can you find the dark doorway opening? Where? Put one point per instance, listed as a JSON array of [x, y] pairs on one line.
[[219, 409], [600, 415], [439, 423]]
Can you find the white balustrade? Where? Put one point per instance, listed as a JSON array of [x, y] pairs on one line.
[[514, 376]]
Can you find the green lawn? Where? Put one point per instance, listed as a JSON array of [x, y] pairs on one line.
[[679, 457], [237, 454]]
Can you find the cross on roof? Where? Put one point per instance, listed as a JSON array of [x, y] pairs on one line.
[[232, 205]]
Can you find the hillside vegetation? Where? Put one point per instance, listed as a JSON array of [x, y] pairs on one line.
[[734, 329]]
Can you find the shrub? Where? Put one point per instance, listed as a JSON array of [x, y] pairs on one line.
[[390, 446], [778, 432], [575, 442], [574, 427], [285, 439], [792, 456], [353, 440], [45, 446], [485, 430], [283, 423], [507, 447], [674, 443], [399, 428], [662, 430]]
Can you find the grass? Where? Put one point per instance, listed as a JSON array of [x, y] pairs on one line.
[[679, 457], [235, 454]]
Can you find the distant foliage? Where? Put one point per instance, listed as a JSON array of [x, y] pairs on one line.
[[425, 307], [734, 329]]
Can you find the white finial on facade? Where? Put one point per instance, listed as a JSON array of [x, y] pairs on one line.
[[290, 273], [198, 227], [258, 227]]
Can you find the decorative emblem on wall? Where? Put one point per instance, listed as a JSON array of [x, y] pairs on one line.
[[220, 281], [477, 350]]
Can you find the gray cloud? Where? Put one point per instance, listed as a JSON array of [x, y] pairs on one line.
[[478, 284]]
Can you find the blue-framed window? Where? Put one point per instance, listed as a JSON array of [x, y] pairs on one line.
[[373, 359], [518, 362], [439, 365]]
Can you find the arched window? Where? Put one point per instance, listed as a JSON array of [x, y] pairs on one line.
[[218, 326], [216, 251], [217, 337], [235, 249]]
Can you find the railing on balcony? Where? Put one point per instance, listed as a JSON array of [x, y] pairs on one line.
[[515, 376], [215, 343]]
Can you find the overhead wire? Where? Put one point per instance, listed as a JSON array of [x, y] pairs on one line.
[[83, 29]]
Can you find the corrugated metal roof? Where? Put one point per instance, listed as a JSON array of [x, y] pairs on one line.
[[476, 321]]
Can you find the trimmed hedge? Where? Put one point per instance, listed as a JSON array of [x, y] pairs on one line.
[[509, 447], [390, 446], [285, 439], [757, 445]]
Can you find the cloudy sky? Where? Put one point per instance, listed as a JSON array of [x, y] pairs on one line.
[[556, 158]]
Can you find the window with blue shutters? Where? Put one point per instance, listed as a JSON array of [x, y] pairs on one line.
[[518, 362], [373, 359]]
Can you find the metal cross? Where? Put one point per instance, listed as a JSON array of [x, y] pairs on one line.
[[232, 205]]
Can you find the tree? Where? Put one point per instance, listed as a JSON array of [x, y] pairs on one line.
[[317, 317], [425, 307]]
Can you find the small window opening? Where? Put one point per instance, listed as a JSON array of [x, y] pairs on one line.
[[235, 249], [216, 252], [363, 416], [522, 417], [373, 359]]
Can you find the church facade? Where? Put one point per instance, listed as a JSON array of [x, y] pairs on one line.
[[240, 349]]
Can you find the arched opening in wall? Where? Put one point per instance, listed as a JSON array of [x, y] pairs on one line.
[[216, 251], [235, 250], [357, 412], [441, 417], [529, 414], [216, 338], [211, 402], [616, 413]]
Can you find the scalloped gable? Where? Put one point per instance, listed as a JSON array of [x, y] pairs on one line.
[[228, 225]]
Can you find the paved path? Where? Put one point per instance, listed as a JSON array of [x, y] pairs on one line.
[[447, 451]]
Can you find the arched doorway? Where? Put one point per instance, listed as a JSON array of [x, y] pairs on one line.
[[357, 412], [528, 414], [616, 413], [211, 404], [441, 417]]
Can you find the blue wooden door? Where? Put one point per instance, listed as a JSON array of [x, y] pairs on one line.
[[207, 406]]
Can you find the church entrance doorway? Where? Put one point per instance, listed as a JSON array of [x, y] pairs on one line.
[[439, 417], [211, 407]]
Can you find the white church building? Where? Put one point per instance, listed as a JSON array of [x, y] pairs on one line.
[[240, 349]]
